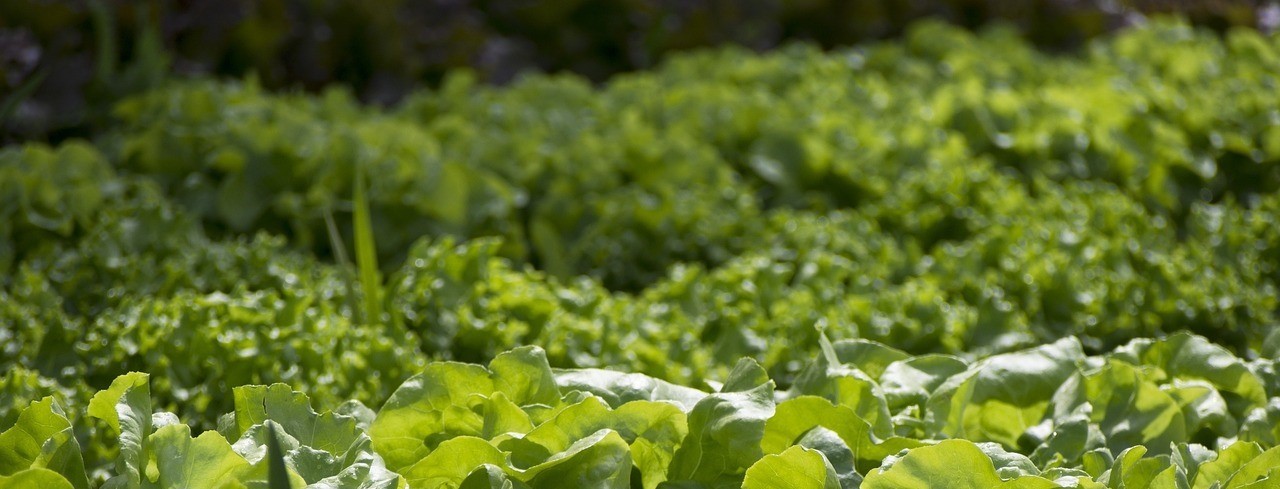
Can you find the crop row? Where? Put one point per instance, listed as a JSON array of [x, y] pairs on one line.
[[1074, 258], [1173, 413]]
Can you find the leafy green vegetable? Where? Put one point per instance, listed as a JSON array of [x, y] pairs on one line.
[[725, 432], [951, 463], [796, 467], [42, 438], [998, 398], [1027, 269]]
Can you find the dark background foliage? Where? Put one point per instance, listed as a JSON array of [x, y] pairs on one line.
[[62, 62]]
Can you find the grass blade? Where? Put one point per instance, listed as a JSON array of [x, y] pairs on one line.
[[9, 105], [277, 473], [340, 255], [366, 252]]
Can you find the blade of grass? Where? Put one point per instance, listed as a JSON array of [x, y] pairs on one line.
[[105, 30], [828, 350], [340, 254], [366, 252], [277, 473], [9, 105]]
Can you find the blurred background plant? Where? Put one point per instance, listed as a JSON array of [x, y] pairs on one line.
[[63, 63]]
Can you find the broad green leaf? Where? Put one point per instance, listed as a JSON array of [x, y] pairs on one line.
[[795, 468], [868, 356], [126, 408], [1188, 458], [491, 477], [1070, 443], [1264, 467], [367, 471], [1203, 407], [206, 461], [999, 397], [43, 438], [847, 387], [950, 463], [653, 430], [746, 375], [618, 388], [452, 462], [29, 478], [1271, 345], [1097, 462], [292, 411], [912, 380], [1187, 356], [524, 375], [1262, 425], [1172, 477], [1008, 465], [1229, 460], [839, 457], [725, 431], [1129, 410], [428, 409], [1132, 470], [600, 459], [452, 399], [795, 418], [106, 404]]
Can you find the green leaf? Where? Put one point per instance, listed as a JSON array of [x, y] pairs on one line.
[[652, 430], [1070, 443], [524, 375], [1202, 407], [847, 387], [1008, 465], [795, 468], [950, 463], [41, 478], [1271, 345], [725, 431], [1187, 356], [489, 477], [277, 473], [839, 456], [366, 251], [43, 438], [452, 462], [1188, 458], [1132, 470], [600, 459], [126, 407], [1129, 409], [1262, 425], [795, 418], [618, 388], [291, 410], [428, 409], [453, 399], [746, 375], [1229, 460], [206, 461], [999, 397], [1265, 466], [913, 380], [868, 356]]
